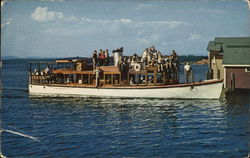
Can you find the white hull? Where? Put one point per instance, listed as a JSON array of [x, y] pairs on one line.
[[203, 90]]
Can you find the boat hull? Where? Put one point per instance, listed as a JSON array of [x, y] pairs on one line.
[[209, 90]]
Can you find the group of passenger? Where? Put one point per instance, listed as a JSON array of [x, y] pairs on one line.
[[153, 57], [101, 58], [45, 71]]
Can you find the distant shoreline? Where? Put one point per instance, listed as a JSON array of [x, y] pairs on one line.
[[193, 59]]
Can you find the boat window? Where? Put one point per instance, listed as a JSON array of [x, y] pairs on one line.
[[116, 79], [107, 78], [132, 79], [150, 77], [85, 79], [137, 79], [160, 78], [59, 78], [78, 78], [92, 79], [141, 79]]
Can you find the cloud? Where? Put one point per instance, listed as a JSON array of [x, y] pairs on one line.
[[209, 11], [194, 36], [141, 32], [129, 22], [43, 15], [123, 21], [145, 6], [144, 39], [248, 3]]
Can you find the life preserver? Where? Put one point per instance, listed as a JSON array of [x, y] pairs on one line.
[[137, 67]]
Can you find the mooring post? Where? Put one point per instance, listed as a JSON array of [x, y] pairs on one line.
[[232, 83]]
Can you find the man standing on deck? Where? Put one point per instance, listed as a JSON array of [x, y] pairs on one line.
[[97, 77], [187, 71], [94, 58], [106, 54], [47, 70], [101, 57]]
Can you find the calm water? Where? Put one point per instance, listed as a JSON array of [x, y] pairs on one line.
[[78, 127]]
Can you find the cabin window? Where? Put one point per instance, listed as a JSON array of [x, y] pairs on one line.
[[132, 79], [150, 78], [92, 79], [142, 79], [116, 79], [68, 78], [59, 78], [160, 78], [85, 79], [108, 79], [79, 78], [247, 69], [138, 79]]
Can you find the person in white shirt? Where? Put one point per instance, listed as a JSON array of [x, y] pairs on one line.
[[47, 70], [187, 71], [144, 55]]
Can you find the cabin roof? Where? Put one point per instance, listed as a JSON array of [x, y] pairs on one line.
[[236, 50], [233, 40], [236, 55], [220, 42], [214, 46]]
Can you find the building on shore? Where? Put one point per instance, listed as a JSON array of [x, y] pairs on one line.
[[229, 59]]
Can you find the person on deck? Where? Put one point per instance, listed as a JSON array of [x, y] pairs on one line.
[[124, 68], [135, 58], [174, 54], [167, 67], [175, 60], [47, 70], [36, 72], [94, 58], [152, 50], [153, 61], [149, 59], [144, 55], [106, 56], [97, 77], [101, 57], [160, 63], [187, 71]]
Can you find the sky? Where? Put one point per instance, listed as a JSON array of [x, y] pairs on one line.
[[67, 28]]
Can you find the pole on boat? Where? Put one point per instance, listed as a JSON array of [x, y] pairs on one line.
[[30, 73], [192, 77]]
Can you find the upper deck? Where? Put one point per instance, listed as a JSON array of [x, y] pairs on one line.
[[83, 73]]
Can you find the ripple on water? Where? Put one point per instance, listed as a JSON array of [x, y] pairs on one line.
[[86, 127]]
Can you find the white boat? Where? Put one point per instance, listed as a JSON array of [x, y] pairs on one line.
[[75, 78], [201, 90]]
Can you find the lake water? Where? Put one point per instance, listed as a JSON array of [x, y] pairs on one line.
[[83, 127]]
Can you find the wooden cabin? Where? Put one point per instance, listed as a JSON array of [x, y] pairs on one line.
[[229, 59], [76, 72], [215, 56]]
